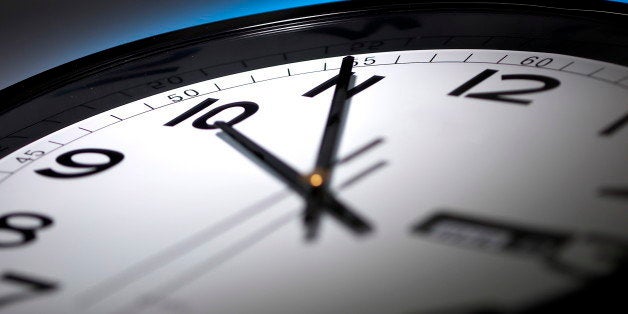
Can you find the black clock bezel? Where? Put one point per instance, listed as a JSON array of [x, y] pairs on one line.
[[64, 95]]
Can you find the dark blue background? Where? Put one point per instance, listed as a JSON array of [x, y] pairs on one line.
[[36, 35]]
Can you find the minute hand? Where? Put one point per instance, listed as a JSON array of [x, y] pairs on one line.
[[335, 119], [329, 145], [295, 180]]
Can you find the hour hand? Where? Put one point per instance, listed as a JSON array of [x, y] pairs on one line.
[[287, 173], [296, 182]]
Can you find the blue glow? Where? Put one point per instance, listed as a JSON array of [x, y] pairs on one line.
[[622, 1], [218, 10]]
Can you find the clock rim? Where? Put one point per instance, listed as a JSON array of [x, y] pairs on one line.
[[299, 19]]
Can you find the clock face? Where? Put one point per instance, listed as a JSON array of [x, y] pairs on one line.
[[474, 169], [397, 181]]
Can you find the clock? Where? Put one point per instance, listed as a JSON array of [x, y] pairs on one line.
[[363, 157]]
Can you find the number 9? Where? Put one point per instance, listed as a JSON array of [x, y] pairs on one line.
[[66, 160]]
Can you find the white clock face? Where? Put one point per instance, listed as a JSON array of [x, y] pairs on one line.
[[481, 173]]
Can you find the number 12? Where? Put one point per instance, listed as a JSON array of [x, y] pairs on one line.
[[548, 84]]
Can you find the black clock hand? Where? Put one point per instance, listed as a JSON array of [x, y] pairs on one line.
[[321, 176], [335, 119], [291, 176], [295, 181]]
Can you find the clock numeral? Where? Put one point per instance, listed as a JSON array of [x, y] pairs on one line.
[[30, 156], [250, 108], [548, 84], [32, 287], [350, 93], [190, 93], [25, 233], [472, 82], [194, 110], [365, 61], [534, 61], [66, 159]]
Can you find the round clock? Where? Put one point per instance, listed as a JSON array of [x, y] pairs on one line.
[[453, 157]]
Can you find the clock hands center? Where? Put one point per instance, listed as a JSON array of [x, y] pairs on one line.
[[297, 182], [314, 187]]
